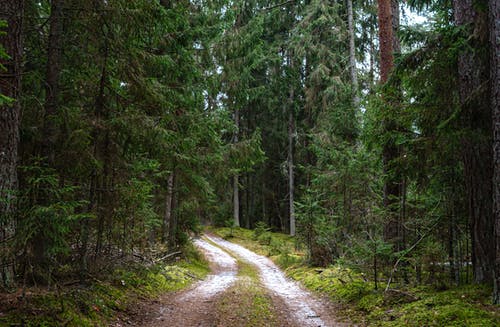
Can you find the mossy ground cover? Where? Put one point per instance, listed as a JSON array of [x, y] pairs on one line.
[[97, 303], [246, 303], [358, 300], [281, 248]]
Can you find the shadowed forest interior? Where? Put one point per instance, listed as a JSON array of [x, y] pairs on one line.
[[367, 130]]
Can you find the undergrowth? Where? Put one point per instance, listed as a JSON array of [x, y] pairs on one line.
[[98, 303], [357, 298]]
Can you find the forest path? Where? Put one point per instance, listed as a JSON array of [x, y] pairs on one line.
[[231, 298], [299, 305], [194, 306]]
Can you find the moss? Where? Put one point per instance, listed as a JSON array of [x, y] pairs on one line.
[[246, 303], [420, 306], [97, 304], [281, 248], [370, 302]]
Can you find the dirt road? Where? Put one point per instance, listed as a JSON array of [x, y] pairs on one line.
[[197, 306]]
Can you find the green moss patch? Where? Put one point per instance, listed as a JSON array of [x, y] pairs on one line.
[[98, 303], [360, 302], [281, 248], [246, 303]]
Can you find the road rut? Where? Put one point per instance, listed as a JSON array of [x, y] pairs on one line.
[[196, 306]]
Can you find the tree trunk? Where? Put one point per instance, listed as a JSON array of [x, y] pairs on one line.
[[248, 190], [167, 216], [385, 39], [54, 51], [495, 103], [172, 226], [452, 248], [291, 188], [94, 178], [352, 54], [474, 94], [236, 190], [396, 45], [12, 12], [389, 43], [389, 152]]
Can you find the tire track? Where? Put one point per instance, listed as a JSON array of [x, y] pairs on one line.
[[194, 307], [302, 305]]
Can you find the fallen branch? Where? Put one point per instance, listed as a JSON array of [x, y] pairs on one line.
[[193, 276], [167, 256]]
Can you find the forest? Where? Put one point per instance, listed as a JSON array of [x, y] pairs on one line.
[[369, 131]]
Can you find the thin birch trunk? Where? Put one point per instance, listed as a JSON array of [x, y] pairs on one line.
[[167, 215], [352, 54], [236, 190]]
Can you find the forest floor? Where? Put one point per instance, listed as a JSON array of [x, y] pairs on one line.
[[354, 298], [237, 282], [243, 289]]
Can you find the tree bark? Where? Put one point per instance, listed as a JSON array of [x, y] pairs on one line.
[[172, 226], [389, 43], [54, 51], [291, 187], [167, 216], [12, 12], [352, 54], [494, 7], [474, 94], [390, 150], [385, 39], [396, 45], [236, 187]]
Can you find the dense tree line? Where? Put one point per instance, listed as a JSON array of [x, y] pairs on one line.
[[127, 123]]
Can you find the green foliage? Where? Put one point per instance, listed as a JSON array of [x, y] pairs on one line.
[[456, 307], [3, 55], [340, 283], [50, 212], [260, 229], [99, 302], [276, 245], [141, 144]]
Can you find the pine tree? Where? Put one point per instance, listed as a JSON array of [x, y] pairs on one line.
[[474, 96], [11, 12]]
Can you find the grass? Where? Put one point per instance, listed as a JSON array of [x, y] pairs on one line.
[[246, 302], [281, 248], [357, 299], [98, 303]]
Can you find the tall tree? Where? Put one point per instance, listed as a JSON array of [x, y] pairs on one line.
[[236, 184], [352, 53], [385, 39], [54, 50], [477, 155], [389, 150], [494, 25], [290, 162], [11, 11]]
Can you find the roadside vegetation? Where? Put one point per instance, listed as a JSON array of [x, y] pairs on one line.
[[356, 296], [100, 301]]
